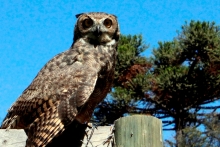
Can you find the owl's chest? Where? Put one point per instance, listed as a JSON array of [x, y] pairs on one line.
[[99, 57]]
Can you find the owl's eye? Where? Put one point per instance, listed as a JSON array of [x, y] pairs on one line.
[[108, 23], [87, 23]]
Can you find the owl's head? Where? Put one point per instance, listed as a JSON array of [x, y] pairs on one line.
[[96, 28]]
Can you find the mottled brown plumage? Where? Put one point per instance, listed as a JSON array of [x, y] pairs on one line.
[[71, 84]]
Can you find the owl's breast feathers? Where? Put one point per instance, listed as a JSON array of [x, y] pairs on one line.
[[102, 58]]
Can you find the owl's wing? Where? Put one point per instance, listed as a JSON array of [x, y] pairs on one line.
[[72, 93], [52, 99], [52, 122], [44, 128]]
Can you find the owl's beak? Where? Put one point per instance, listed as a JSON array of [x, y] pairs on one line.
[[97, 31]]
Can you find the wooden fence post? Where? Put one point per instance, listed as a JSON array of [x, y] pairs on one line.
[[138, 131]]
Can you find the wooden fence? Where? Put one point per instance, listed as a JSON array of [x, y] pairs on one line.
[[131, 131]]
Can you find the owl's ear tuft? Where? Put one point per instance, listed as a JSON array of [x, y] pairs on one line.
[[77, 15]]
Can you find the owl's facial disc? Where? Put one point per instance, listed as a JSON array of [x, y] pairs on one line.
[[96, 28], [98, 31]]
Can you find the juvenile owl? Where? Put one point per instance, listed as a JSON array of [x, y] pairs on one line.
[[71, 84]]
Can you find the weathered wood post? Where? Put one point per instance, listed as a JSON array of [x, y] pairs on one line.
[[138, 131]]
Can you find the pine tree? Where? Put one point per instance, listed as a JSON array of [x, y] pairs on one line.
[[186, 75]]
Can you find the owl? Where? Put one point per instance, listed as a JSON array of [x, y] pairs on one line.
[[71, 84]]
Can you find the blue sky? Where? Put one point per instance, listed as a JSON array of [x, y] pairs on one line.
[[32, 32]]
